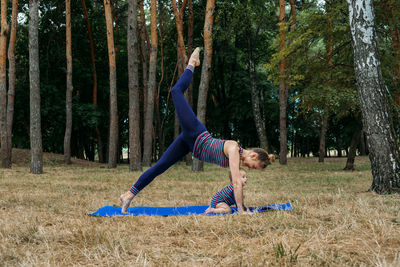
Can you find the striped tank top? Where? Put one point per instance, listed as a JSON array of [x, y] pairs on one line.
[[225, 195], [211, 150]]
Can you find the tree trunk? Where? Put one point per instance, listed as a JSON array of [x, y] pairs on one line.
[[34, 81], [92, 55], [339, 146], [178, 13], [157, 102], [94, 74], [135, 162], [283, 92], [113, 134], [205, 72], [148, 123], [179, 28], [322, 137], [255, 100], [363, 145], [190, 46], [293, 18], [3, 86], [355, 140], [68, 96], [189, 91], [325, 117], [145, 54], [162, 141], [377, 123], [11, 79], [255, 95]]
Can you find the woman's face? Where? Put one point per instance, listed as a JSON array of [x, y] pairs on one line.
[[252, 162]]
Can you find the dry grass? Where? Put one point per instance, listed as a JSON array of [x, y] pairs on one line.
[[335, 222]]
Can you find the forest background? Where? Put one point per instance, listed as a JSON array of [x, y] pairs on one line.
[[245, 75]]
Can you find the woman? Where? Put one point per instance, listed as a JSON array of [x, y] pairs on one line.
[[195, 138]]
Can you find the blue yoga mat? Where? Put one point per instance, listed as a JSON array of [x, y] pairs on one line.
[[110, 211]]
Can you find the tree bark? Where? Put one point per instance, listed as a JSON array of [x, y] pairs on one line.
[[258, 115], [11, 79], [157, 102], [189, 91], [68, 96], [34, 81], [148, 123], [255, 100], [283, 92], [162, 141], [377, 123], [178, 13], [145, 54], [92, 54], [113, 134], [94, 75], [3, 86], [293, 18], [325, 117], [363, 145], [190, 46], [355, 140], [205, 71], [179, 28], [322, 137], [135, 162]]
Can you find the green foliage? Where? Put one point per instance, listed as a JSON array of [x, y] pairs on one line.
[[241, 28]]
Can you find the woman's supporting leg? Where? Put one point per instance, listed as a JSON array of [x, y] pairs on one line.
[[177, 150]]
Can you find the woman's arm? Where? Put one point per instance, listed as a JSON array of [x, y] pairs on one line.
[[231, 150]]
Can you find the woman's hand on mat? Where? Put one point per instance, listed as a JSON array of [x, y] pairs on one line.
[[245, 212], [195, 58]]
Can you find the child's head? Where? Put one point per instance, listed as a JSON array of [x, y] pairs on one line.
[[243, 176], [258, 159]]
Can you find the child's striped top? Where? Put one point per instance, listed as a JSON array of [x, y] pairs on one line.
[[225, 195], [209, 149]]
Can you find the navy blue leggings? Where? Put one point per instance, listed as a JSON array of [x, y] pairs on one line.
[[191, 128]]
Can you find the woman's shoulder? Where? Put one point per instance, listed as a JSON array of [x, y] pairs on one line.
[[231, 143], [231, 146]]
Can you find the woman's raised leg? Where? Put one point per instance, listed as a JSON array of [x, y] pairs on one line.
[[191, 126]]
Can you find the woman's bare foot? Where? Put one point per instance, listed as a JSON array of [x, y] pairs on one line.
[[126, 199], [195, 58]]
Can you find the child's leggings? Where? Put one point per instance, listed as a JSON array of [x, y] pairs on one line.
[[191, 129]]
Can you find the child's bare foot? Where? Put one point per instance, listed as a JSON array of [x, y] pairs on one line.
[[126, 199], [195, 58]]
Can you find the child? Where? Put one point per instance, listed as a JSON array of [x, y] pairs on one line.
[[221, 201]]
